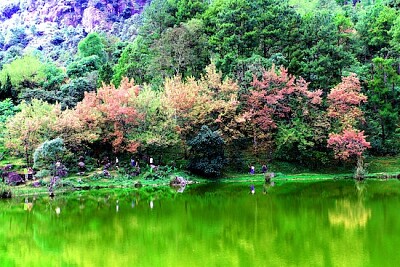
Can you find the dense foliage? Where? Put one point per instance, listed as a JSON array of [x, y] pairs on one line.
[[305, 81]]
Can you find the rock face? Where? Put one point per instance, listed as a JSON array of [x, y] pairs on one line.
[[43, 24], [92, 14]]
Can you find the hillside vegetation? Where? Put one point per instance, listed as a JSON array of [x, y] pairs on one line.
[[212, 86]]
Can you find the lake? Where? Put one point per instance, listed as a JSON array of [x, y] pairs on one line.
[[326, 223]]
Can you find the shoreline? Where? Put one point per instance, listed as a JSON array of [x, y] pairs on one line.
[[73, 184]]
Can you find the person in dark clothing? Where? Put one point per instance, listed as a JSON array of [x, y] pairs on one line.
[[264, 168]]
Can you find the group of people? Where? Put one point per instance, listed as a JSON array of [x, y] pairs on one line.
[[264, 169], [268, 179]]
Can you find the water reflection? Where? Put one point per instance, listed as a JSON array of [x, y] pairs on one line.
[[28, 205], [216, 225], [351, 213]]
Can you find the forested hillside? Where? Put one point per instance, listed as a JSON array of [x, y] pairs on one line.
[[204, 80]]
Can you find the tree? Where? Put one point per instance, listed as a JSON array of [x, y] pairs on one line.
[[347, 144], [281, 105], [240, 30], [344, 101], [74, 91], [189, 9], [382, 112], [25, 72], [207, 153], [134, 62], [83, 66], [30, 127], [48, 153], [208, 101], [76, 133], [156, 131], [180, 50], [111, 112], [322, 53], [157, 17], [375, 27], [232, 27], [92, 45]]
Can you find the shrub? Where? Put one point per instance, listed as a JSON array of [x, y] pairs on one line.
[[207, 153]]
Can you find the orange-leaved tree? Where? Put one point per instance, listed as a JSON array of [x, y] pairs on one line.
[[111, 116], [209, 101]]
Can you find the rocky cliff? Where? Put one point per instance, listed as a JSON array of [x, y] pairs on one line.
[[42, 24]]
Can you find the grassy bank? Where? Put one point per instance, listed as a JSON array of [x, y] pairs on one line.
[[378, 168]]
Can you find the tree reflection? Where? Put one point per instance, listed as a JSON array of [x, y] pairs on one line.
[[352, 214]]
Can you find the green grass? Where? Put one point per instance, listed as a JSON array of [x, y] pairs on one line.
[[383, 164]]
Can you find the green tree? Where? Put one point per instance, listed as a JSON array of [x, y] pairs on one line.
[[25, 72], [134, 62], [207, 153], [374, 27], [156, 131], [83, 66], [92, 45], [189, 9], [382, 112], [157, 17], [180, 50], [322, 57]]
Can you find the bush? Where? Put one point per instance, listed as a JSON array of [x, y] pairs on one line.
[[42, 174], [48, 152], [207, 153]]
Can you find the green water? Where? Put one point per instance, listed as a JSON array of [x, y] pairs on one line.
[[294, 224]]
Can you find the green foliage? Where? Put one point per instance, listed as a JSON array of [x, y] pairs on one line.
[[30, 127], [157, 129], [180, 50], [74, 91], [159, 173], [25, 72], [92, 45], [133, 62], [54, 77], [188, 9], [43, 173], [157, 17], [321, 57], [7, 110], [207, 153], [382, 113], [83, 66]]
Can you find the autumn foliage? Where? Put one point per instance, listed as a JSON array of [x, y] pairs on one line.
[[279, 100], [344, 102], [347, 144], [110, 114], [344, 107], [208, 101], [278, 96]]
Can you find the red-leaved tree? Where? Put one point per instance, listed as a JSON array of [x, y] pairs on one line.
[[348, 143], [344, 102], [277, 99]]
